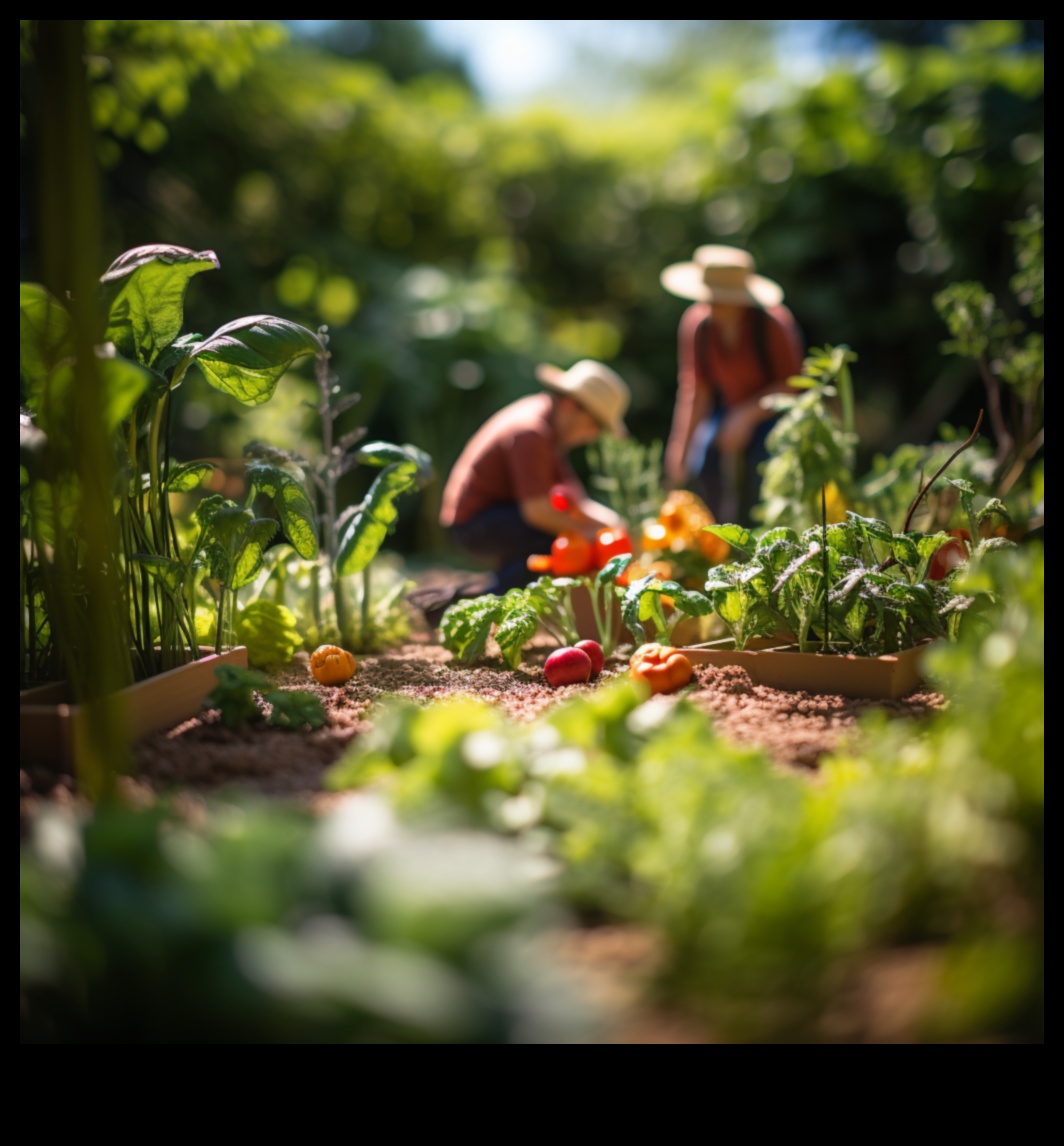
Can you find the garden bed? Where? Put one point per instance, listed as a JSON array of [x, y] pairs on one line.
[[202, 754]]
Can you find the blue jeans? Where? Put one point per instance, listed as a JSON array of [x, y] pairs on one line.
[[500, 536]]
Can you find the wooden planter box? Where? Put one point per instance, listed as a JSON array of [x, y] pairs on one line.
[[783, 666], [51, 727]]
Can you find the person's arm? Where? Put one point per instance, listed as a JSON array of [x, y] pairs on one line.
[[694, 399], [540, 514]]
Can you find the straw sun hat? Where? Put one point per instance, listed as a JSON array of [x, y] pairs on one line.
[[601, 392], [721, 274]]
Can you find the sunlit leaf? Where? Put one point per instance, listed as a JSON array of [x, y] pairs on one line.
[[44, 338], [366, 529], [294, 508], [148, 311], [246, 358]]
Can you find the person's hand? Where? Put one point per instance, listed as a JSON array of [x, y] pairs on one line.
[[737, 428]]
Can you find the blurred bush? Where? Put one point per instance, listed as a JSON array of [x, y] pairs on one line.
[[262, 924], [450, 248]]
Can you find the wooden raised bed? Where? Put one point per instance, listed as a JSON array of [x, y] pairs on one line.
[[51, 727], [781, 665]]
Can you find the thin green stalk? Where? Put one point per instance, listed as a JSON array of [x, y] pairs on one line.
[[367, 618]]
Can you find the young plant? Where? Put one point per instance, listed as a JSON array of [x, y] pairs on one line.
[[351, 540], [628, 474], [548, 602], [237, 693]]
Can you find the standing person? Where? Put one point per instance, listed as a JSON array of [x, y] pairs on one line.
[[497, 500], [737, 343]]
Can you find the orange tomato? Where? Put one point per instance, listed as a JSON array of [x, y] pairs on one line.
[[540, 563], [330, 664]]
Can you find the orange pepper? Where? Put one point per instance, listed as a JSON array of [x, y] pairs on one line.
[[611, 543], [571, 555], [330, 664], [663, 668]]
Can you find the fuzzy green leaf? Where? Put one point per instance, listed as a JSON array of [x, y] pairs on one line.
[[517, 626], [738, 537], [253, 545]]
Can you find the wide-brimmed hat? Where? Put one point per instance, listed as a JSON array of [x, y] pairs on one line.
[[602, 393], [721, 274]]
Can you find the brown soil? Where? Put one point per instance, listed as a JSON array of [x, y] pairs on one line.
[[201, 754]]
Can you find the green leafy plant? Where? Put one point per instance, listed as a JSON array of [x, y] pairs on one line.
[[628, 476], [270, 633], [142, 363], [547, 602], [1011, 357], [259, 923], [350, 540], [236, 696]]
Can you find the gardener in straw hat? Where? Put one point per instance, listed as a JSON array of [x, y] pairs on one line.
[[737, 343], [497, 503]]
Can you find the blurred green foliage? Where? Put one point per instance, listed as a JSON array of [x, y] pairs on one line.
[[450, 248], [251, 924], [772, 889]]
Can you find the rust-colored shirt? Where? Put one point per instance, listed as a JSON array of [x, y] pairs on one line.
[[512, 457], [736, 372], [729, 375]]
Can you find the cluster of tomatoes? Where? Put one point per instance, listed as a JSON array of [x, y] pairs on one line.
[[572, 554]]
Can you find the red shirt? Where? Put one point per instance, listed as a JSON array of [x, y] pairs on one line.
[[512, 457]]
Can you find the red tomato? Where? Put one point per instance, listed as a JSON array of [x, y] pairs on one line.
[[572, 554], [949, 554], [559, 498], [610, 543]]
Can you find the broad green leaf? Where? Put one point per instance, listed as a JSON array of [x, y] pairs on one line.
[[188, 476], [613, 568], [365, 531], [209, 507], [693, 603], [384, 453], [248, 560], [246, 358], [872, 526], [772, 536], [631, 606], [738, 537], [123, 382], [298, 519], [148, 311], [168, 570], [44, 338]]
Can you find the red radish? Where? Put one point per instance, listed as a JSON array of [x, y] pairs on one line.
[[594, 651], [567, 666]]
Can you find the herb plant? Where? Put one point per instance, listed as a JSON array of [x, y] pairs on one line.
[[142, 362]]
